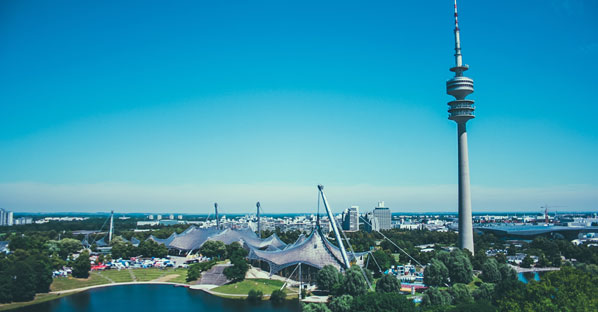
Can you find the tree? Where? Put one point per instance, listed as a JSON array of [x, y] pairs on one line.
[[239, 267], [341, 304], [213, 249], [327, 277], [382, 302], [81, 266], [542, 261], [458, 265], [123, 250], [501, 257], [68, 246], [315, 307], [193, 272], [484, 293], [254, 295], [382, 258], [460, 294], [527, 262], [354, 283], [42, 270], [436, 297], [479, 259], [490, 272], [436, 273], [235, 250], [23, 276], [278, 296], [388, 284], [5, 279], [150, 248], [569, 289]]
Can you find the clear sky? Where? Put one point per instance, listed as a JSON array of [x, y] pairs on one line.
[[156, 106]]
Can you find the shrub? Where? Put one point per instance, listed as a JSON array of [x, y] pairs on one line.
[[254, 295], [278, 296]]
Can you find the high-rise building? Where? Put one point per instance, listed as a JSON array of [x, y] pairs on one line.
[[159, 217], [461, 110], [351, 219], [371, 223], [6, 218], [383, 215]]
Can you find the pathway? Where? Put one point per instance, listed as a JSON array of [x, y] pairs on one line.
[[133, 277]]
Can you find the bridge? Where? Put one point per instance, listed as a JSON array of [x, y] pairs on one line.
[[526, 270]]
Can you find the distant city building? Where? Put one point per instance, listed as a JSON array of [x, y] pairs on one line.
[[23, 220], [371, 223], [150, 217], [180, 217], [351, 219], [383, 215], [6, 218], [171, 217], [159, 217]]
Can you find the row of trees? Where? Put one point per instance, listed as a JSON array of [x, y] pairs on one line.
[[449, 268], [24, 272], [147, 248], [350, 292]]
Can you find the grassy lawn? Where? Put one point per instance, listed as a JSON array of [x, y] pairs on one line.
[[144, 275], [64, 283], [472, 285], [179, 279], [243, 287], [117, 276]]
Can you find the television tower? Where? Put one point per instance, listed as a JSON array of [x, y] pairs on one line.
[[461, 110]]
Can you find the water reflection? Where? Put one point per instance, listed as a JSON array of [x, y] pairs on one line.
[[149, 298]]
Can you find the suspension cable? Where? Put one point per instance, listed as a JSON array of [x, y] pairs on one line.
[[376, 262], [353, 253], [388, 239]]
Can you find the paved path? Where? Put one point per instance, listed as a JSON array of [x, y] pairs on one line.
[[133, 277], [105, 277]]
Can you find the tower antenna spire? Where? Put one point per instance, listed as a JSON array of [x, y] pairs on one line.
[[459, 67]]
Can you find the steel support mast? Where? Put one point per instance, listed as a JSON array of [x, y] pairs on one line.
[[259, 229], [217, 218], [334, 228]]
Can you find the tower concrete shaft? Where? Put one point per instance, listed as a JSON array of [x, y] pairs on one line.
[[461, 110], [465, 221]]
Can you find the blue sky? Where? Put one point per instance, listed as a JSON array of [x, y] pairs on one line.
[[148, 106]]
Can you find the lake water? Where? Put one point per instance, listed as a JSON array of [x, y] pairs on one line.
[[147, 298], [526, 277]]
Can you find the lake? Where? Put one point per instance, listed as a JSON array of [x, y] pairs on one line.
[[147, 298], [526, 277]]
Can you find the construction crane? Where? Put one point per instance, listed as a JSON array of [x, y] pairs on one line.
[[545, 208]]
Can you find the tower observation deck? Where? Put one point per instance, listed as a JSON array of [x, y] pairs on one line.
[[461, 110]]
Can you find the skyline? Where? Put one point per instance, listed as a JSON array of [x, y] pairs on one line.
[[241, 103]]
